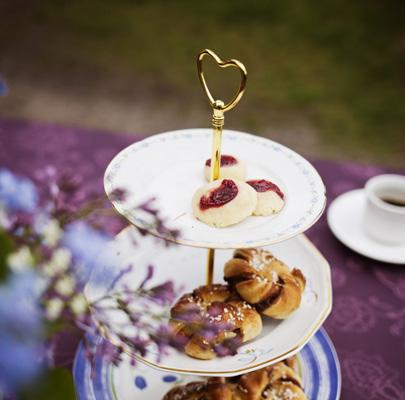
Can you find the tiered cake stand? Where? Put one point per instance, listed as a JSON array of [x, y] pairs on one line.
[[169, 168]]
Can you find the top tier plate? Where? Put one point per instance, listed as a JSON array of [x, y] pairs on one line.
[[169, 167]]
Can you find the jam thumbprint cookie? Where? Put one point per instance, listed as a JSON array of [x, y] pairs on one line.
[[224, 202], [270, 198], [231, 168]]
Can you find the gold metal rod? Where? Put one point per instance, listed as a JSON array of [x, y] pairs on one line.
[[217, 124], [219, 108], [210, 266]]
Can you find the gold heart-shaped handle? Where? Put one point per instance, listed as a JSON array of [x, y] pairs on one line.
[[218, 104]]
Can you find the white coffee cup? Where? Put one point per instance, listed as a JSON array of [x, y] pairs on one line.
[[384, 215]]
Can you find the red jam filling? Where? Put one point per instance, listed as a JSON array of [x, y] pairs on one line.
[[223, 194], [261, 185], [226, 161]]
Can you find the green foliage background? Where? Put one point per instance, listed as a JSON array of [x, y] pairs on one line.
[[337, 65]]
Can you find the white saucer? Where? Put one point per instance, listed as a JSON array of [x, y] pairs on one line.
[[169, 167], [345, 219]]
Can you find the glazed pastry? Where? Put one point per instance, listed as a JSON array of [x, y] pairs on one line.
[[211, 389], [227, 317], [265, 282], [231, 168], [224, 202], [280, 381], [270, 198], [277, 382]]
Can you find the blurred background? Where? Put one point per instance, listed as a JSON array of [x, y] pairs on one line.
[[326, 78]]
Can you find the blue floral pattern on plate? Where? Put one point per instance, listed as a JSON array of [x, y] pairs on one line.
[[140, 382], [169, 378], [318, 360]]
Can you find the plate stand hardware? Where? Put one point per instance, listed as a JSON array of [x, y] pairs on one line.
[[219, 108]]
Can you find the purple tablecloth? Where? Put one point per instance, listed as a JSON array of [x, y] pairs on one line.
[[367, 324]]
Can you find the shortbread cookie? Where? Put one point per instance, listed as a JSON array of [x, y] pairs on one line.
[[231, 168], [270, 198], [224, 202]]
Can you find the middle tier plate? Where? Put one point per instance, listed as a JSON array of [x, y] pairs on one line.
[[169, 167], [186, 266]]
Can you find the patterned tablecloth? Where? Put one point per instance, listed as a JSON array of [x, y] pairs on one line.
[[367, 324]]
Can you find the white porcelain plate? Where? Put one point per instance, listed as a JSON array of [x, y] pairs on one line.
[[318, 361], [345, 219], [169, 167], [186, 265]]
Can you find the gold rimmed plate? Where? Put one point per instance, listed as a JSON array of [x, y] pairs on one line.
[[278, 340], [169, 167]]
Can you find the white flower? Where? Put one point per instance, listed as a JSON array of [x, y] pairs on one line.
[[78, 304], [21, 260], [61, 259], [58, 263], [47, 269], [51, 233], [65, 286], [4, 221], [54, 308]]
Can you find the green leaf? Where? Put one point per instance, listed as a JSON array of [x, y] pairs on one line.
[[6, 247], [54, 384]]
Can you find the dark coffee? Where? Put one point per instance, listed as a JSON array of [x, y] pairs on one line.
[[394, 201]]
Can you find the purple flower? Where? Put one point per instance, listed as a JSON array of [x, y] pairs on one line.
[[148, 277], [3, 87], [111, 353], [166, 336], [118, 195], [89, 248], [228, 347], [139, 345], [20, 330], [19, 304], [17, 193], [20, 362], [163, 294]]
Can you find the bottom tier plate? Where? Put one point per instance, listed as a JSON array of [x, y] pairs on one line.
[[186, 266], [318, 363]]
